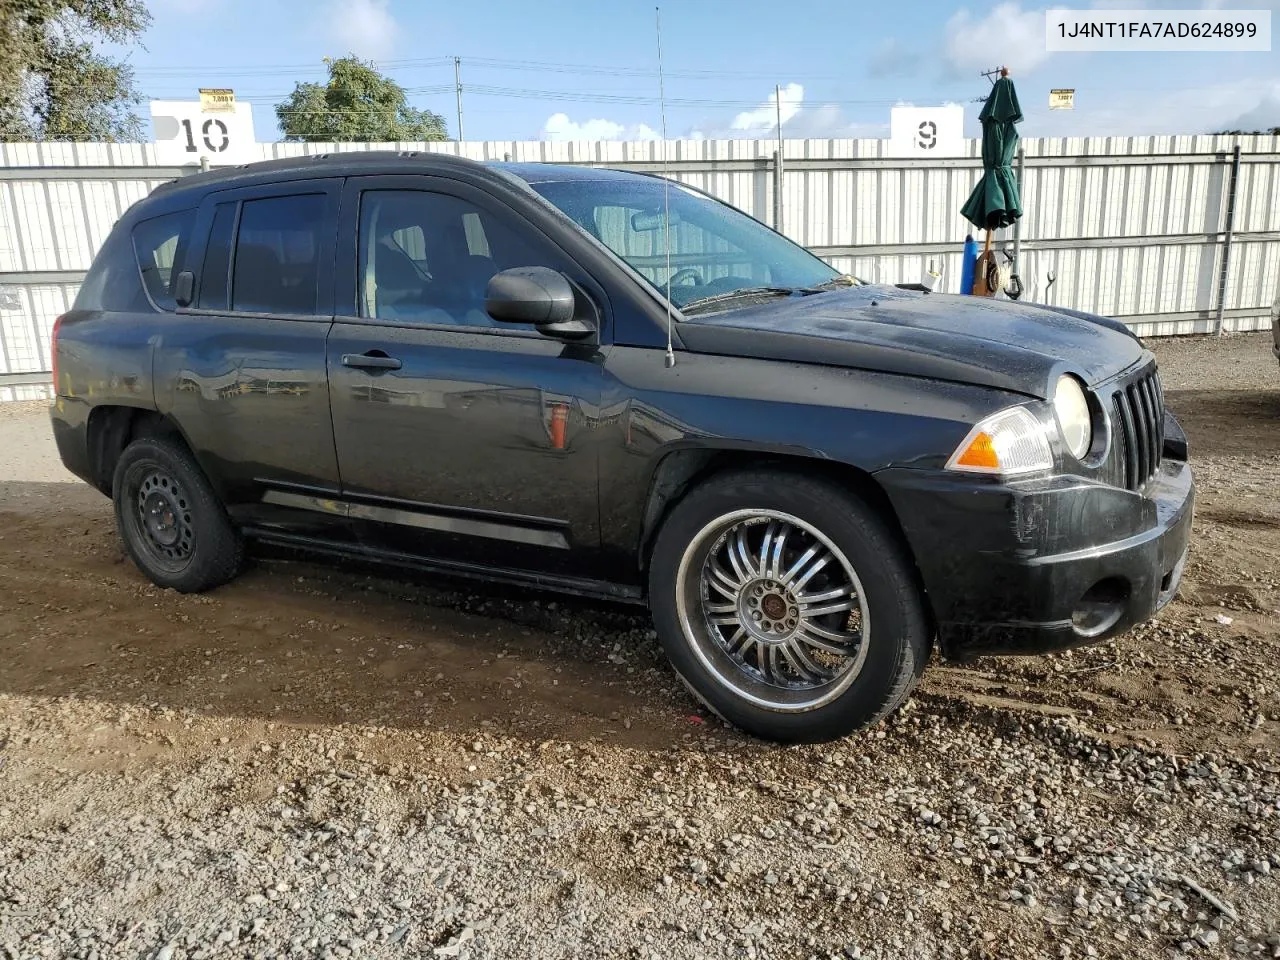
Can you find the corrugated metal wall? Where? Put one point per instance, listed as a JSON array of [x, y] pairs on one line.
[[1131, 227]]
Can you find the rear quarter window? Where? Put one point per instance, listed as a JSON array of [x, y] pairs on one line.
[[159, 244], [112, 283]]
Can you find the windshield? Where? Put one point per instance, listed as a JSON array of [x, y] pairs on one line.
[[715, 249]]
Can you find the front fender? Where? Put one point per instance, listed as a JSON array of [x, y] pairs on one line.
[[706, 406]]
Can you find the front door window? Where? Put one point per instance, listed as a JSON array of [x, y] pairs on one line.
[[428, 257]]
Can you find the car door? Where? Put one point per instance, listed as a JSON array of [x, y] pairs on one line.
[[241, 370], [458, 437]]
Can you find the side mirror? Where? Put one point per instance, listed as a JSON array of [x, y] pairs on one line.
[[184, 285], [537, 295]]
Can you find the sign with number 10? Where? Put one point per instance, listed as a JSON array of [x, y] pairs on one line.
[[186, 131]]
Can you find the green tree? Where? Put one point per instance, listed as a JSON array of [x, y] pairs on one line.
[[358, 103], [54, 83], [1273, 132]]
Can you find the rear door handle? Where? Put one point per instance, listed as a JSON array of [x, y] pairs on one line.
[[373, 360]]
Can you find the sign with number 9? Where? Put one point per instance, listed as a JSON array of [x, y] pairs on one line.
[[926, 132]]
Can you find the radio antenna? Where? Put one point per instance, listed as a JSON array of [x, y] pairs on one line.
[[666, 184]]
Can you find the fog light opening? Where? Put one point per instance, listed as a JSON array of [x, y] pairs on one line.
[[1100, 607]]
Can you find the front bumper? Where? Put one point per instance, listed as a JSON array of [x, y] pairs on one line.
[[1033, 566]]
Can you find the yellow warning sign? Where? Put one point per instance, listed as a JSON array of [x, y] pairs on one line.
[[217, 100]]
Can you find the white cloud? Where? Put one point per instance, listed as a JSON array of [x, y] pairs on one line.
[[1007, 35], [560, 127], [765, 116], [363, 27], [1242, 103], [1272, 5], [820, 121], [825, 120], [1262, 116], [828, 120], [1231, 5]]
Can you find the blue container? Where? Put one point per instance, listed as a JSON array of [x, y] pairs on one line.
[[968, 262]]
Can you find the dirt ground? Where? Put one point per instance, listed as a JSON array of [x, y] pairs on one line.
[[323, 762]]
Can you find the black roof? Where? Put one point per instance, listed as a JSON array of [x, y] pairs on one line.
[[554, 172], [381, 161]]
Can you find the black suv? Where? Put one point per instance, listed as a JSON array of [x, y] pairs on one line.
[[613, 385]]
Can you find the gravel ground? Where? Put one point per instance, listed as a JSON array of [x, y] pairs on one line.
[[320, 762], [27, 452]]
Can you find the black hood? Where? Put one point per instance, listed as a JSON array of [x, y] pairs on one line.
[[1012, 346]]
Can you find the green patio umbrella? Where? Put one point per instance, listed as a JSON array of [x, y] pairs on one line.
[[994, 202]]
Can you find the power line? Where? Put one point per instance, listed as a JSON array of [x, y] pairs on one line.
[[268, 98], [538, 66], [529, 93], [493, 63], [573, 95], [273, 69]]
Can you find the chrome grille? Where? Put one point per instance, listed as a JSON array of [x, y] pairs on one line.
[[1137, 429]]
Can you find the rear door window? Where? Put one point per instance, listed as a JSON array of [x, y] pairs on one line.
[[159, 244], [277, 255]]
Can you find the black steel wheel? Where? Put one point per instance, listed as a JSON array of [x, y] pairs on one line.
[[172, 523], [164, 518]]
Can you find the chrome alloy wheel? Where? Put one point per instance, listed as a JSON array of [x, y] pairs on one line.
[[773, 609]]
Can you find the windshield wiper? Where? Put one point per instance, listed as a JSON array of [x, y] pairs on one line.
[[740, 293], [844, 280]]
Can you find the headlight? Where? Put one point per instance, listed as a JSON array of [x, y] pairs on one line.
[[1075, 423], [1009, 442]]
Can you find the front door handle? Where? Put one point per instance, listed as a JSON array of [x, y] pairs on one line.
[[373, 360]]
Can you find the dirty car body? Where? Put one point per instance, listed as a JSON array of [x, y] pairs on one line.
[[590, 381], [1275, 327]]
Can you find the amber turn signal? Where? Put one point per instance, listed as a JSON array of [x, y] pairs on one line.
[[980, 454], [1009, 442]]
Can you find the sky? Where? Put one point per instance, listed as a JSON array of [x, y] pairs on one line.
[[587, 69]]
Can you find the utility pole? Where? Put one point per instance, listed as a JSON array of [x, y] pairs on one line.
[[1227, 237], [777, 182], [457, 82]]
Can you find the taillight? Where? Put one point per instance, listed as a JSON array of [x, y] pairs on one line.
[[53, 353]]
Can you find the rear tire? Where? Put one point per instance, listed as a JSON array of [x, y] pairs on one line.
[[170, 520], [787, 606]]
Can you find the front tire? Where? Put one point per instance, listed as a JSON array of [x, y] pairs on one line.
[[170, 520], [787, 606]]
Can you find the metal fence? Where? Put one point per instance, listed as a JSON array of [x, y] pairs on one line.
[[1172, 235]]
